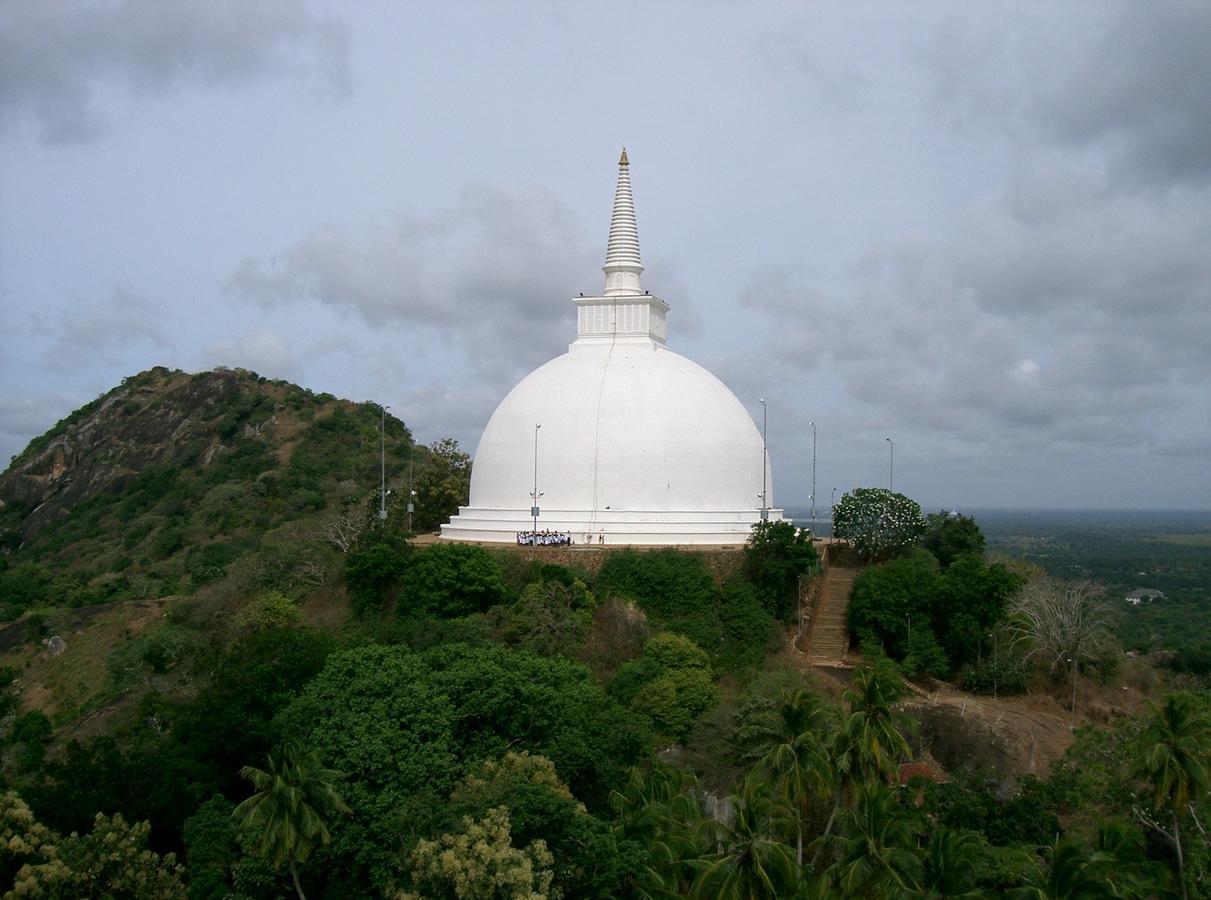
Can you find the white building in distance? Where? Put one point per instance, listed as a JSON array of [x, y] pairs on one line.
[[624, 441]]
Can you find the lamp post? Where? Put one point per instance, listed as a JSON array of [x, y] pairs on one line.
[[764, 457], [813, 425], [995, 672], [411, 492], [382, 463], [891, 465], [832, 511], [535, 494]]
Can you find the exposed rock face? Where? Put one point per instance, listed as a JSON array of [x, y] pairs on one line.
[[156, 418]]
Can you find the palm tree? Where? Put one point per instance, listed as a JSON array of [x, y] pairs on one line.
[[873, 727], [657, 809], [951, 864], [751, 862], [1178, 739], [869, 745], [792, 753], [287, 814], [1120, 861], [876, 846], [1071, 875]]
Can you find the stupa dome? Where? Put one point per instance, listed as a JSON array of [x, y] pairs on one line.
[[625, 441]]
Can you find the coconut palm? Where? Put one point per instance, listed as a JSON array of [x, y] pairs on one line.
[[876, 847], [874, 728], [751, 862], [657, 809], [287, 816], [1178, 751], [869, 745], [1120, 861], [950, 864], [1071, 874], [792, 753]]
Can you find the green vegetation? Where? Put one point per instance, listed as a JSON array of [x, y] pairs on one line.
[[877, 522], [291, 697], [776, 557], [1164, 551]]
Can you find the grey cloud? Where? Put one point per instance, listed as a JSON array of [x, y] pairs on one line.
[[1143, 89], [1126, 91], [1073, 333], [489, 277], [262, 350], [106, 329], [62, 63], [26, 415]]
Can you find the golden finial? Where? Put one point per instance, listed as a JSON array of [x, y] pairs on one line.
[[622, 160]]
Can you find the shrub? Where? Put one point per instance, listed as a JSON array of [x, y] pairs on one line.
[[449, 580], [1004, 677], [776, 555], [374, 567], [878, 522]]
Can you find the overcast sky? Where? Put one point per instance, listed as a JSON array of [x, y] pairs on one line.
[[980, 229]]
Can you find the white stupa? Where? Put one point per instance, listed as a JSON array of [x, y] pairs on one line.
[[625, 441]]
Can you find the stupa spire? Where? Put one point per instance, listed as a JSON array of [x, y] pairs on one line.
[[622, 266]]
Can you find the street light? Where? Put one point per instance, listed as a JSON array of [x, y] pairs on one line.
[[764, 458], [994, 664], [891, 466], [832, 512], [535, 493], [382, 463], [813, 425], [411, 492]]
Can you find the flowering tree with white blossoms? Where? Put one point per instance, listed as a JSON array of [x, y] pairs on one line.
[[878, 522]]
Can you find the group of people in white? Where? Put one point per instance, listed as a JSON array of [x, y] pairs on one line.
[[544, 538]]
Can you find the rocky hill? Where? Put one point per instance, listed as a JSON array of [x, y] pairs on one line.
[[160, 484]]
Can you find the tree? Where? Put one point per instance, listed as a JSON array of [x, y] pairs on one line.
[[752, 863], [872, 732], [876, 848], [878, 522], [677, 590], [949, 536], [791, 749], [671, 683], [450, 580], [1176, 763], [1062, 621], [443, 484], [1071, 873], [889, 599], [374, 568], [111, 861], [951, 864], [550, 617], [658, 809], [868, 746], [288, 815], [588, 861], [479, 862], [775, 556], [408, 725]]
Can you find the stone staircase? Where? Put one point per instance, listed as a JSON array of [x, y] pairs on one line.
[[825, 642]]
